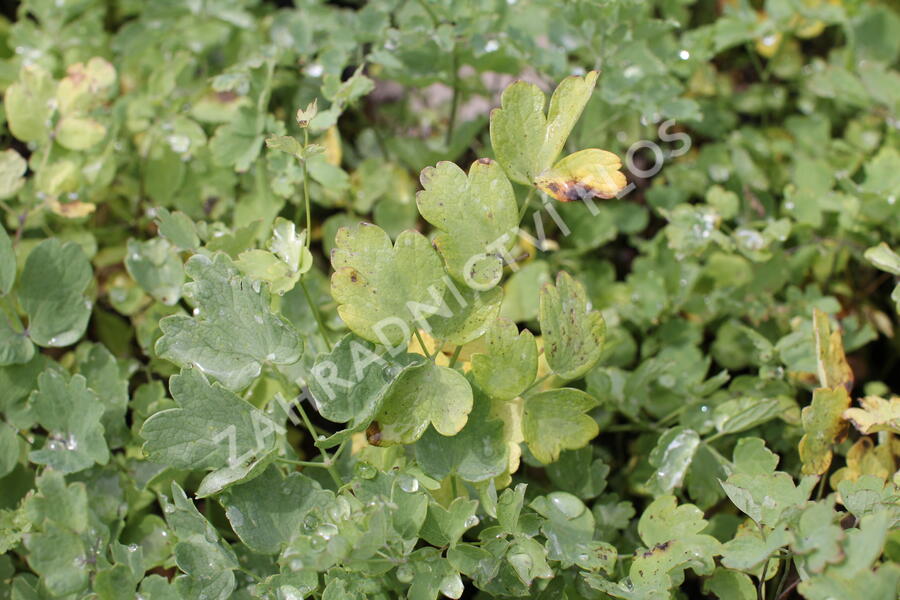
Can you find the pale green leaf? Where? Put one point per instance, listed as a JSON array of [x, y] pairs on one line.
[[525, 140], [556, 420], [510, 362], [12, 172], [424, 394], [383, 290], [476, 217]]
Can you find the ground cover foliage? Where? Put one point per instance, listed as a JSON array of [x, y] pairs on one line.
[[446, 298]]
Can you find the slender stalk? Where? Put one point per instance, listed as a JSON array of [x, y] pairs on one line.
[[455, 356], [326, 460], [454, 102], [526, 204], [300, 463], [421, 342], [784, 576], [306, 190], [536, 383], [315, 310]]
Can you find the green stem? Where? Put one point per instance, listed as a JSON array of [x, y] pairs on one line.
[[536, 383], [783, 579], [300, 463], [421, 342], [312, 306], [526, 204], [326, 460], [454, 103], [306, 189], [455, 356]]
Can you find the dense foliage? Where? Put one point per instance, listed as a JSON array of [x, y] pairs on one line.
[[314, 301]]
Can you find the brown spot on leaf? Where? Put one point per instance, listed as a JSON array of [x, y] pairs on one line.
[[373, 433]]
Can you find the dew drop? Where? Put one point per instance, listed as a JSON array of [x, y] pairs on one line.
[[408, 483]]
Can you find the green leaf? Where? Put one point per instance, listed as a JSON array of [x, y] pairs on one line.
[[573, 334], [445, 526], [739, 414], [472, 314], [555, 420], [672, 535], [823, 425], [282, 267], [383, 291], [12, 176], [477, 453], [238, 143], [27, 104], [510, 362], [71, 415], [424, 394], [749, 549], [730, 585], [884, 258], [212, 429], [817, 537], [157, 268], [526, 141], [233, 332], [349, 383], [758, 490], [477, 217], [52, 292], [569, 527], [79, 133], [7, 263], [266, 511], [672, 457], [15, 347], [178, 228], [59, 557], [200, 553]]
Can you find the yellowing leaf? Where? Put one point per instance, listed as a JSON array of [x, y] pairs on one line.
[[72, 210], [591, 173], [831, 363], [824, 426], [556, 420], [876, 414], [865, 458]]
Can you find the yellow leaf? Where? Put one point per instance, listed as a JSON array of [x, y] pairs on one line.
[[823, 426], [865, 458], [831, 362], [876, 414], [72, 210], [591, 173], [332, 143]]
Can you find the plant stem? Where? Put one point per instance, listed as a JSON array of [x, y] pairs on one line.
[[455, 355], [306, 189], [326, 460], [454, 102], [536, 383], [526, 204], [300, 463], [315, 310], [421, 342], [784, 575]]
